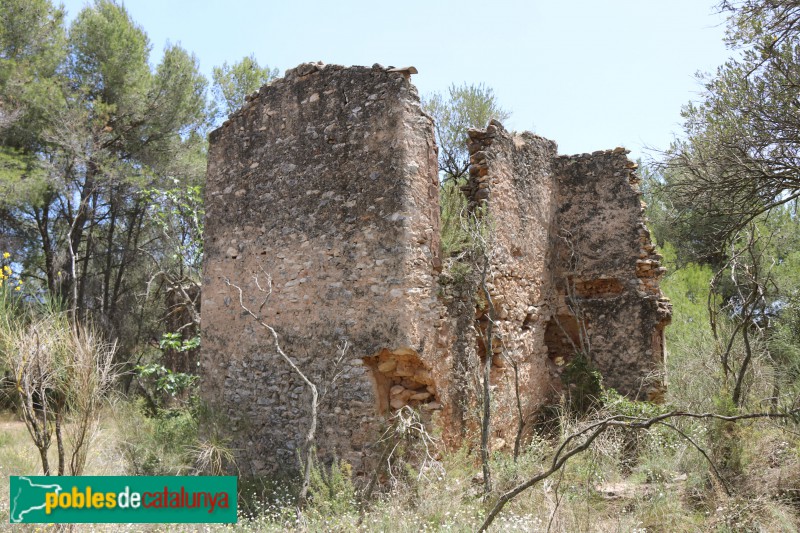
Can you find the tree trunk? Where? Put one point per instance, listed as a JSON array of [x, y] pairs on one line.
[[60, 441], [45, 462]]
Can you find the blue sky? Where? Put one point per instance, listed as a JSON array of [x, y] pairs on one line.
[[589, 74]]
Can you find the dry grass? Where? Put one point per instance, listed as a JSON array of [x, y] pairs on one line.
[[666, 488], [19, 457]]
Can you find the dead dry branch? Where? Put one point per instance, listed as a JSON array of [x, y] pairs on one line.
[[579, 441]]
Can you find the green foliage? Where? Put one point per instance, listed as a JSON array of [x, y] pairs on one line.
[[109, 56], [22, 175], [454, 218], [761, 261], [176, 210], [164, 381], [464, 106], [680, 222], [784, 345], [156, 446], [463, 231], [687, 287], [30, 29], [738, 158], [457, 273], [616, 404], [233, 82], [725, 438], [177, 114], [102, 157], [163, 388], [32, 48], [174, 341], [641, 453], [583, 382], [331, 490], [189, 439]]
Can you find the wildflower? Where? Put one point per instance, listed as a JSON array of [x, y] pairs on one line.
[[18, 288], [6, 255], [7, 268]]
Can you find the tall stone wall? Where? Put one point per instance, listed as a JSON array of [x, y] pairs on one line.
[[323, 207], [325, 182], [512, 180], [606, 274], [572, 271]]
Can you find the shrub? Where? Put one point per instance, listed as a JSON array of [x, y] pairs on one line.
[[61, 372], [332, 490], [156, 446]]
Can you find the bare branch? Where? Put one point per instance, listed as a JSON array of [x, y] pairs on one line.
[[309, 444], [569, 448]]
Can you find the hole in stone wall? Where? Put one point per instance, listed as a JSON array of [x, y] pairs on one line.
[[399, 379], [582, 386], [559, 348]]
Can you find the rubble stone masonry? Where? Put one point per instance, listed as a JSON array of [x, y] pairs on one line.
[[322, 203]]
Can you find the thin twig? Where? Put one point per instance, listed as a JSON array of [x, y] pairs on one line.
[[595, 429], [309, 444]]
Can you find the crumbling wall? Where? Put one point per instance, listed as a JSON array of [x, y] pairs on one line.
[[572, 271], [326, 182], [322, 204], [512, 180], [606, 273]]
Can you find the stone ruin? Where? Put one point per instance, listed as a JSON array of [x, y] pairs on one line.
[[324, 189]]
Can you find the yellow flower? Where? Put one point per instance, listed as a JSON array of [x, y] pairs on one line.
[[7, 268], [6, 255], [18, 288]]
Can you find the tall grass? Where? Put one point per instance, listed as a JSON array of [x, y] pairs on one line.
[[60, 373]]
